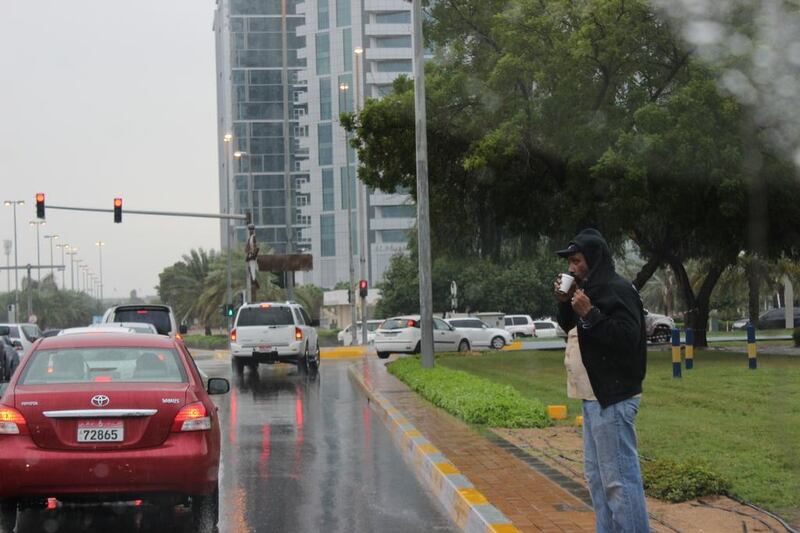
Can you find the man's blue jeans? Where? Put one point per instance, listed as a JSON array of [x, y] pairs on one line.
[[611, 466]]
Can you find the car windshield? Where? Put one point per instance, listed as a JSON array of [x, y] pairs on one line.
[[99, 365], [372, 326], [398, 323], [265, 316], [31, 332], [158, 317]]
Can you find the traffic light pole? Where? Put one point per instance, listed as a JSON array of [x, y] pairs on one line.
[[157, 213]]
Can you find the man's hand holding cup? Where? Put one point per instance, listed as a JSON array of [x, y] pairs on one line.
[[564, 287]]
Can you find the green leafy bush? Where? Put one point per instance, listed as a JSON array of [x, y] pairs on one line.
[[668, 480], [796, 336], [206, 342], [473, 399]]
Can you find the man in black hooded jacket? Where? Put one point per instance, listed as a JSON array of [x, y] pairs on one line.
[[609, 316]]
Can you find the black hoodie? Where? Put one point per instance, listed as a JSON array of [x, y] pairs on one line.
[[612, 336]]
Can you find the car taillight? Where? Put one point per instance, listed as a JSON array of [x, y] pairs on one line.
[[298, 334], [233, 335], [12, 422], [412, 324], [179, 336], [192, 417]]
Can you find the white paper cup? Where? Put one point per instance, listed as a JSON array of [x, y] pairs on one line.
[[566, 283]]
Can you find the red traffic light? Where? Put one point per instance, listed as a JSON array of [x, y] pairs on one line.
[[363, 288], [117, 210], [40, 205]]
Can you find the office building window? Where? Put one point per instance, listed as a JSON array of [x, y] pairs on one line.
[[394, 235], [325, 144], [327, 230], [328, 196], [324, 98], [347, 49], [343, 13], [394, 65], [323, 22], [343, 181], [398, 211], [400, 41], [346, 97], [397, 17], [324, 54]]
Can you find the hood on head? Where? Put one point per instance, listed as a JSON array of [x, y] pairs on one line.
[[595, 249]]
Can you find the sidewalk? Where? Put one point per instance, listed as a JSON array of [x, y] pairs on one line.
[[532, 501]]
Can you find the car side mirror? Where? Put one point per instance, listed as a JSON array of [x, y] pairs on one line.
[[218, 386], [4, 331], [182, 329], [18, 345]]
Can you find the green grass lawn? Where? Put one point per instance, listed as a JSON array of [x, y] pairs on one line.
[[745, 423]]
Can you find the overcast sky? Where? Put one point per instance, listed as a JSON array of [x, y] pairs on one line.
[[105, 98]]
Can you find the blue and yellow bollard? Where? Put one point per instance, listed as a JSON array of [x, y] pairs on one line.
[[676, 353], [689, 348], [751, 347]]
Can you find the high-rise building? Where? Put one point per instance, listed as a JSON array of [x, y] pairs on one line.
[[286, 69], [260, 101], [354, 51]]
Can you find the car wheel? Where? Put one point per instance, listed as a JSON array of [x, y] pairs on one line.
[[237, 365], [417, 348], [8, 515], [661, 335], [205, 510], [383, 355], [314, 362], [498, 343], [303, 362], [463, 346]]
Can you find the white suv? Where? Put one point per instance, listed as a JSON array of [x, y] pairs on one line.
[[274, 332], [520, 325]]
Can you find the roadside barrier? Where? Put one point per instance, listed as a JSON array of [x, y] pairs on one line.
[[752, 356], [676, 353], [689, 348]]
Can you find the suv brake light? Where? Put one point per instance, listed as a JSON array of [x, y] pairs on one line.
[[12, 422], [298, 334], [192, 417], [233, 335]]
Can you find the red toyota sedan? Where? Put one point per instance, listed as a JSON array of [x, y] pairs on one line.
[[110, 417]]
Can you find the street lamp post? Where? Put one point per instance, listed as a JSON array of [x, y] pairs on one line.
[[228, 141], [62, 247], [14, 204], [100, 245], [7, 249], [76, 279], [52, 238], [362, 204], [344, 88], [38, 223], [72, 252]]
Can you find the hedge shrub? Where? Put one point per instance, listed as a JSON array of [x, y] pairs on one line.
[[473, 399], [674, 482], [206, 342]]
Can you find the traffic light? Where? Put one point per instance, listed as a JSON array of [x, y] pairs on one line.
[[117, 210], [229, 310], [363, 288], [40, 205]]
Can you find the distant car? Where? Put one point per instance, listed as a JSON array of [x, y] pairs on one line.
[[274, 332], [95, 418], [520, 325], [26, 334], [658, 327], [776, 318], [740, 323], [137, 327], [547, 328], [402, 334], [345, 337], [479, 334], [161, 316]]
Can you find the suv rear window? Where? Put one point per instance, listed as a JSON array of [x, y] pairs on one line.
[[265, 316], [399, 323], [158, 317]]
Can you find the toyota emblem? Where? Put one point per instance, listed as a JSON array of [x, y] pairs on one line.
[[101, 400]]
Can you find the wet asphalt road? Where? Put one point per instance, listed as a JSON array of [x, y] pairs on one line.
[[299, 454]]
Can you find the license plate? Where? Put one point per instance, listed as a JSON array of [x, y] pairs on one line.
[[101, 431], [265, 348]]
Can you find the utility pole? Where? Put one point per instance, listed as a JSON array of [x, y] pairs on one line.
[[362, 204], [7, 248], [423, 210], [228, 141], [344, 88], [287, 156]]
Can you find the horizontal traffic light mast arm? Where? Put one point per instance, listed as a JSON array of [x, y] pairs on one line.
[[158, 213]]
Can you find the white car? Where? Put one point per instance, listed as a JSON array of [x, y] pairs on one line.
[[26, 334], [345, 336], [402, 334], [274, 332], [161, 316], [547, 328], [480, 335], [520, 325]]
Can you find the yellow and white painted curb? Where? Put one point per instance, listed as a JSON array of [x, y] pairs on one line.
[[468, 508], [343, 352]]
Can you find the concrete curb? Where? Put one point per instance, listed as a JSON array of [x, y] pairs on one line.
[[467, 507]]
